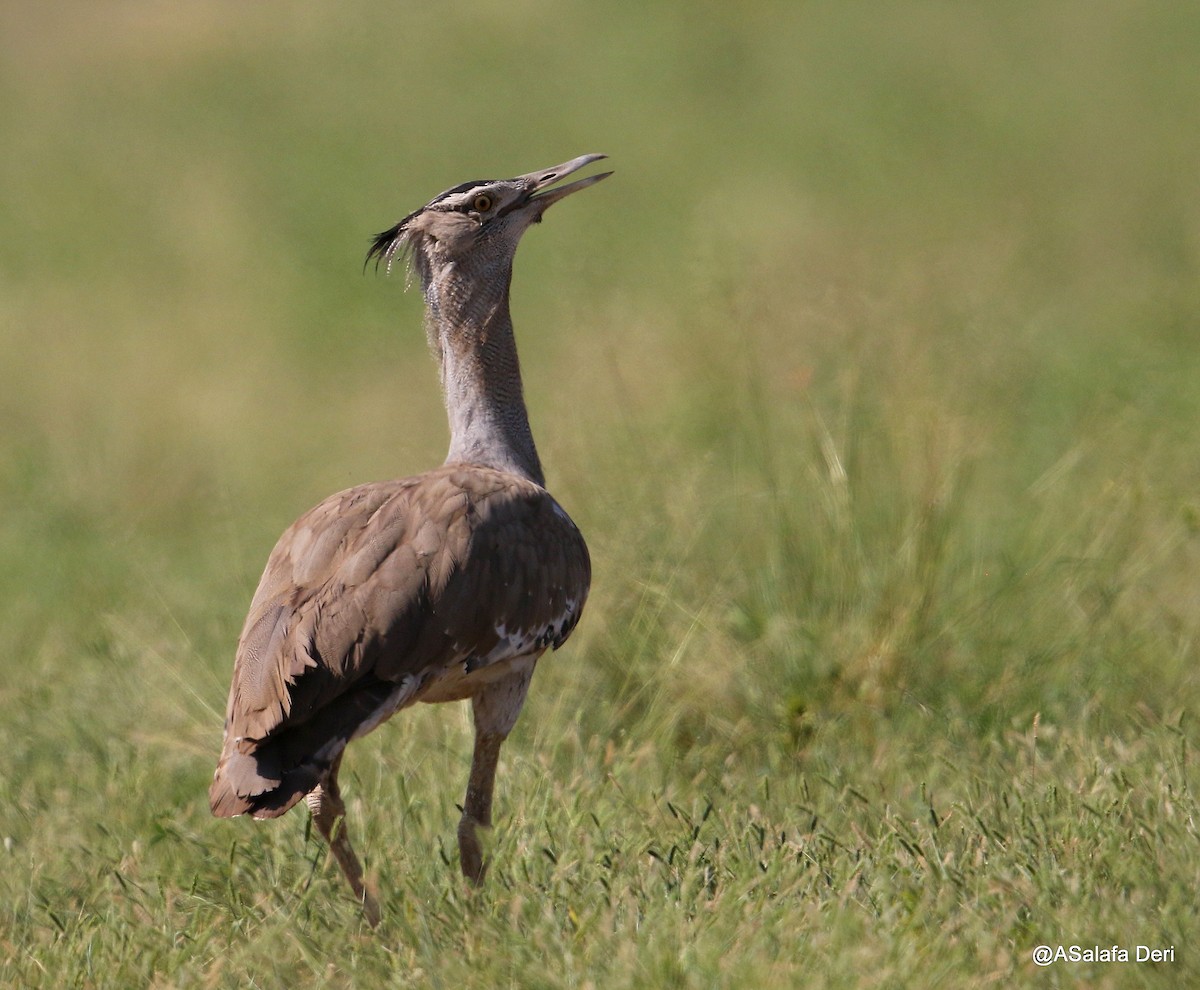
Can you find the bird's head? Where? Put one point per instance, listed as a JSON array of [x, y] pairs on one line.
[[477, 224]]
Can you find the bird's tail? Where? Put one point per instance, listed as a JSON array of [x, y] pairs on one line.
[[249, 782]]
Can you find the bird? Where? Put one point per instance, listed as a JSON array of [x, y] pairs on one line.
[[445, 586]]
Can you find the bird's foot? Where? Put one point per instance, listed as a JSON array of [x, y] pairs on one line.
[[471, 850]]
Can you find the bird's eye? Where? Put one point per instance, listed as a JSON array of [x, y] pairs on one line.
[[481, 203]]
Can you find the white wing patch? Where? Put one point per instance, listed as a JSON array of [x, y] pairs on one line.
[[520, 642]]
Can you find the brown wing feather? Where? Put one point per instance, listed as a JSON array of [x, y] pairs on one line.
[[373, 595]]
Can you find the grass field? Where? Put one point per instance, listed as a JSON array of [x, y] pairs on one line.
[[872, 377]]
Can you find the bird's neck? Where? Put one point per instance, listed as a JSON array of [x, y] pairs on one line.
[[471, 329]]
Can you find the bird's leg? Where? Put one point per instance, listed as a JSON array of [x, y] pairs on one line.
[[495, 709], [329, 814], [477, 808]]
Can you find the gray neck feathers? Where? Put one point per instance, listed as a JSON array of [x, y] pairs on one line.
[[471, 331]]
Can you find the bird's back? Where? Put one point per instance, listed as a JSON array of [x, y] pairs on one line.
[[383, 595]]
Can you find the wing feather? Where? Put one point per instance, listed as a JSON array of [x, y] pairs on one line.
[[374, 594]]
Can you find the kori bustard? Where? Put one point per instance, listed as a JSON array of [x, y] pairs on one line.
[[440, 587]]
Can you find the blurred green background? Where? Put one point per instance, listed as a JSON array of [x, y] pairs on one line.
[[872, 377]]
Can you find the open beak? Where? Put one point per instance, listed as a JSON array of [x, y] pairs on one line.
[[537, 184]]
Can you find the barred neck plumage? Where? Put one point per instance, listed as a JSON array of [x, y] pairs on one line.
[[470, 328], [461, 245]]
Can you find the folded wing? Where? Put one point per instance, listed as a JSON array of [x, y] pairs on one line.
[[371, 598]]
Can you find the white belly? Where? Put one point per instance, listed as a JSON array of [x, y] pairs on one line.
[[457, 683]]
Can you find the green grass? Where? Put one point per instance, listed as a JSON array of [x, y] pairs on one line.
[[872, 377]]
